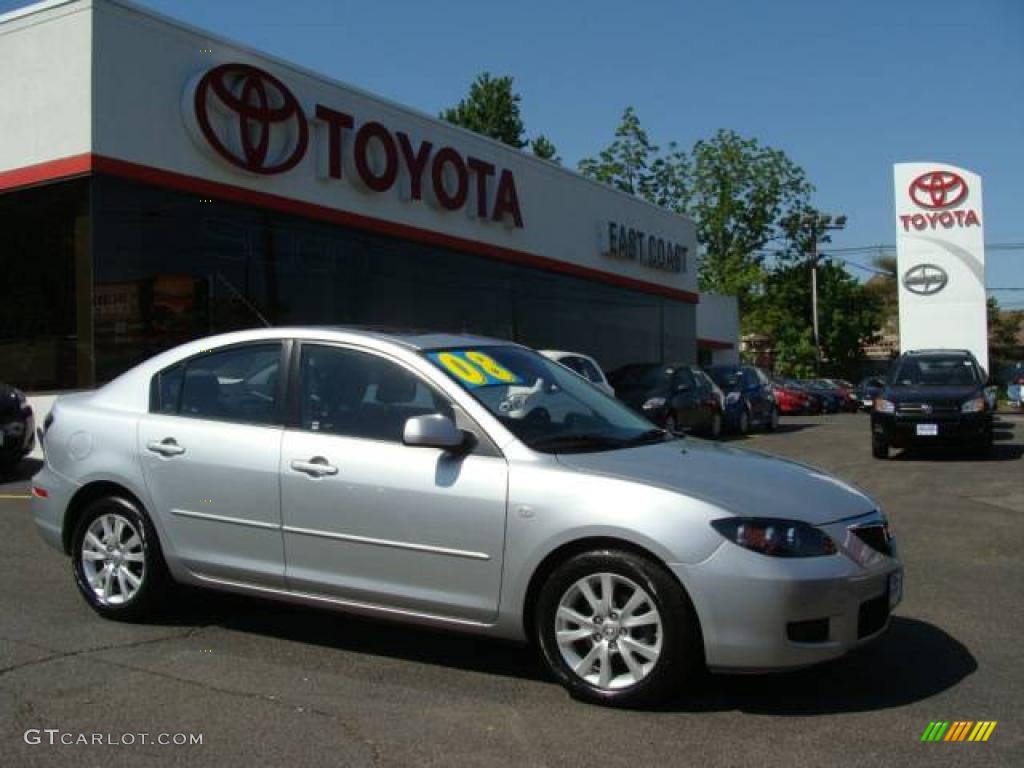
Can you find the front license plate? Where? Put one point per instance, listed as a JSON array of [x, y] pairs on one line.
[[927, 430], [895, 588]]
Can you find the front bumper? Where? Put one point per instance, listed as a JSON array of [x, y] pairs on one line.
[[762, 613], [901, 429]]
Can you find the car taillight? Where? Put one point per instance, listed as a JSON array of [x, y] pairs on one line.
[[1019, 380]]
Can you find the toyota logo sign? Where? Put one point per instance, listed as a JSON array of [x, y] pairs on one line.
[[251, 119], [925, 279], [938, 189]]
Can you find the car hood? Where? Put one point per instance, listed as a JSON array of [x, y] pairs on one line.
[[899, 394], [738, 481]]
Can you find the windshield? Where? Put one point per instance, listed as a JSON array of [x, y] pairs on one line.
[[729, 379], [936, 371], [549, 408]]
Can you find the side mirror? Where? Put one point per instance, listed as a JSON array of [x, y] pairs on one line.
[[433, 431], [680, 388]]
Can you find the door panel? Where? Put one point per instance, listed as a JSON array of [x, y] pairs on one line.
[[218, 498], [412, 528], [369, 519]]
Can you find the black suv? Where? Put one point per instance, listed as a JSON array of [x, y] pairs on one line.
[[932, 396]]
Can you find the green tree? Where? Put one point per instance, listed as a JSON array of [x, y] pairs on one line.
[[544, 149], [848, 316], [737, 190], [491, 108], [632, 164], [740, 193], [1003, 328]]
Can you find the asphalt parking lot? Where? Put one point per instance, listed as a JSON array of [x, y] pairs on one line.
[[270, 684]]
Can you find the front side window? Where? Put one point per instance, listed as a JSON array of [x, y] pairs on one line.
[[356, 394], [541, 403], [236, 384]]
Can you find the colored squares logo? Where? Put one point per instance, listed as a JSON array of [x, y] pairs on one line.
[[959, 730]]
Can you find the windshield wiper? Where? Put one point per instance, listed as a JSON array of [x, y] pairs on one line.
[[577, 441], [656, 435]]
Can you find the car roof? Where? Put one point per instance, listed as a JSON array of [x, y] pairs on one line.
[[915, 352]]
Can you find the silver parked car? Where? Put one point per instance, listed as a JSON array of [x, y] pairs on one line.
[[458, 482]]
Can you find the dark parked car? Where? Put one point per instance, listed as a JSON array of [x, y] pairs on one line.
[[17, 427], [673, 395], [868, 389], [931, 397], [749, 400], [831, 400]]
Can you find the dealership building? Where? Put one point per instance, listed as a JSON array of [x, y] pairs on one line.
[[159, 183]]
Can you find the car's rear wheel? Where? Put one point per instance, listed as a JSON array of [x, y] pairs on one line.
[[715, 429], [117, 562], [879, 447], [617, 629]]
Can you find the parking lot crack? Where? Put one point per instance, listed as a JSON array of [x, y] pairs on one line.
[[59, 656]]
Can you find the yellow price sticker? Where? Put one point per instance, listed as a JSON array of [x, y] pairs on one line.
[[461, 369], [492, 367]]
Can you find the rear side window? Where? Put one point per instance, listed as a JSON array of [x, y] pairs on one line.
[[237, 384], [583, 367]]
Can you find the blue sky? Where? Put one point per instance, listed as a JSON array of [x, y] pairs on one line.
[[845, 87]]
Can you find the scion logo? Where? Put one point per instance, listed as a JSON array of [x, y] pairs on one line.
[[250, 118], [938, 189], [925, 279]]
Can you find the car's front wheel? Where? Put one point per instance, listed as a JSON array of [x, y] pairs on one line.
[[117, 562], [879, 447], [773, 420], [617, 629]]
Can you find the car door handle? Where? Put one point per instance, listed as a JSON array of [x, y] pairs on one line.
[[315, 467], [166, 447]]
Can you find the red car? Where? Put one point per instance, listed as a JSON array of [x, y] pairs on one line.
[[790, 400]]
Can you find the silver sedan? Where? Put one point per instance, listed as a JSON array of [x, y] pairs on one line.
[[458, 482]]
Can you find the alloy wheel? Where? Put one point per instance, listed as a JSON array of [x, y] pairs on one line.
[[113, 559], [608, 630]]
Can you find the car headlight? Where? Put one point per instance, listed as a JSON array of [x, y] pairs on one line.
[[654, 402], [775, 537], [732, 397], [975, 405], [884, 406]]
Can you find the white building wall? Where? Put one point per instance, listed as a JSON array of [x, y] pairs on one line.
[[45, 84], [144, 63], [718, 320]]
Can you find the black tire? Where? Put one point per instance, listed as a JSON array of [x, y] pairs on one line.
[[681, 647], [671, 425], [715, 429], [155, 580], [879, 447], [743, 422], [773, 420]]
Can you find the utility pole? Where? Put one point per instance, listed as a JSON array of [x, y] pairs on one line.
[[817, 224]]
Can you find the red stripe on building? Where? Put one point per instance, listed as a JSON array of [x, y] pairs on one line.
[[713, 344]]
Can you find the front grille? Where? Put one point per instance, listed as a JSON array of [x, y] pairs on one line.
[[875, 536], [872, 616], [927, 408]]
